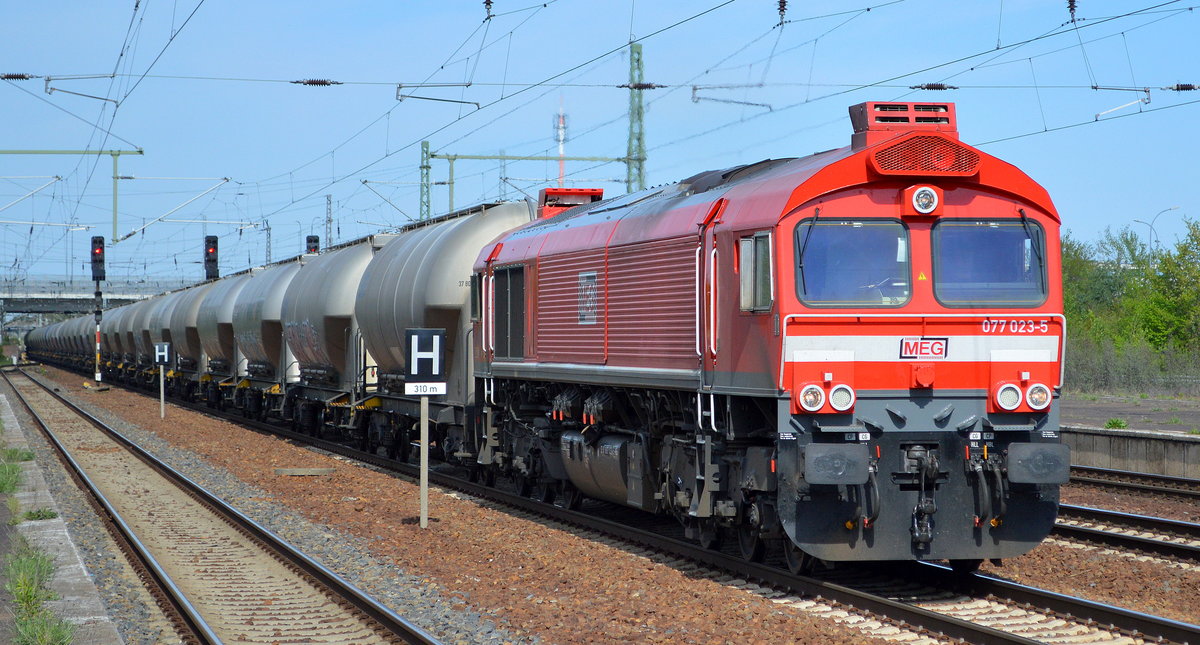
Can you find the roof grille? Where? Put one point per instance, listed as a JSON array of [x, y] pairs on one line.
[[926, 155]]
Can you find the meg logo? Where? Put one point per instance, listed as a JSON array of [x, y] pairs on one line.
[[924, 348]]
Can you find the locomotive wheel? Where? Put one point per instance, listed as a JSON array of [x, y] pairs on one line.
[[965, 567], [798, 562], [572, 497], [750, 543]]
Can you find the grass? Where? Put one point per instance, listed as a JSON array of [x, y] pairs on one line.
[[27, 572], [40, 514], [10, 478], [10, 455], [10, 468], [1175, 421], [1115, 423], [44, 629]]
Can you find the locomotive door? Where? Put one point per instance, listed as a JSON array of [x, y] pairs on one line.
[[708, 262]]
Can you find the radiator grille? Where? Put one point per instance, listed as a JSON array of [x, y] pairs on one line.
[[926, 155]]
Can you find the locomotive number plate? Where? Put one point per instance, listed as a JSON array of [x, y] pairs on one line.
[[1006, 326]]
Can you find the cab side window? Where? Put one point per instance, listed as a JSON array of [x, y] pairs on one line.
[[754, 269]]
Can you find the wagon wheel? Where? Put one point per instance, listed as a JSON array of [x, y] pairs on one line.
[[522, 483], [401, 445], [710, 535], [751, 544], [489, 476], [545, 490]]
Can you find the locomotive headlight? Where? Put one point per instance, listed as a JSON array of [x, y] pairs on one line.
[[841, 397], [925, 200], [1008, 396], [1038, 396], [812, 398]]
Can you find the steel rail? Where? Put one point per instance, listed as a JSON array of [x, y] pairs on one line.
[[1136, 623], [1158, 525], [397, 625], [1144, 482]]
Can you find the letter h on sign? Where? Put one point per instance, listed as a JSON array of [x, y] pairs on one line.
[[426, 361], [162, 353]]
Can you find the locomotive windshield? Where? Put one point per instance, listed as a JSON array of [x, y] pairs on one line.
[[844, 262], [989, 263]]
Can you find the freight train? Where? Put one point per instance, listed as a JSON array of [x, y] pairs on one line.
[[853, 355]]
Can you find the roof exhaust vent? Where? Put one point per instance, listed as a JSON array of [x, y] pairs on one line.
[[875, 121], [552, 201]]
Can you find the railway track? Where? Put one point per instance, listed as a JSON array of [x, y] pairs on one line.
[[217, 575], [1128, 481], [1156, 536], [928, 599]]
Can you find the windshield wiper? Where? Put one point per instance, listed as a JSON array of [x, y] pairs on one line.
[[807, 237], [1037, 249]]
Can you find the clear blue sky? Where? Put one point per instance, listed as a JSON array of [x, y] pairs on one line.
[[203, 89]]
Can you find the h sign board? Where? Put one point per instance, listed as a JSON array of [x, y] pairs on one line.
[[162, 353], [425, 361]]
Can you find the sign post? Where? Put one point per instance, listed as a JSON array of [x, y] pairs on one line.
[[162, 357], [425, 375]]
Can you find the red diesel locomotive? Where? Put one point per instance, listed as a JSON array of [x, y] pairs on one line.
[[853, 354]]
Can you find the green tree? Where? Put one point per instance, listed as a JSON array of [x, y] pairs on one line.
[[1170, 315]]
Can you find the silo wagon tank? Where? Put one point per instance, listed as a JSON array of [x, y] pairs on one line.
[[214, 321], [111, 346], [422, 279], [258, 331], [190, 361], [320, 328]]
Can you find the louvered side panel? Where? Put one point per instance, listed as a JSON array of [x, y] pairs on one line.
[[570, 308], [652, 304]]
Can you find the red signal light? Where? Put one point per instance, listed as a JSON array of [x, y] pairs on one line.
[[98, 257]]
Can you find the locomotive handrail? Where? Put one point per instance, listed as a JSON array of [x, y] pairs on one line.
[[1062, 345]]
